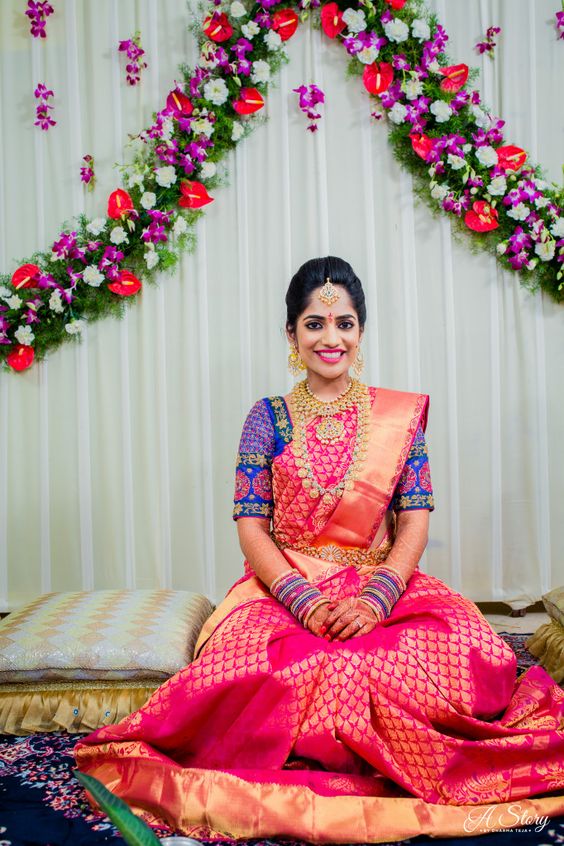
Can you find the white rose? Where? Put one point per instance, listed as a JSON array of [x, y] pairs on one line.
[[355, 20], [486, 156], [151, 258], [148, 200], [498, 186], [180, 226], [439, 192], [441, 110], [167, 128], [201, 127], [216, 91], [250, 29], [396, 30], [14, 301], [545, 250], [237, 131], [135, 179], [5, 292], [96, 226], [272, 40], [237, 10], [456, 162], [480, 117], [74, 327], [261, 71], [24, 335], [208, 170], [557, 228], [118, 235], [412, 88], [165, 176], [55, 302], [367, 55], [420, 30], [520, 212], [92, 276], [397, 113]]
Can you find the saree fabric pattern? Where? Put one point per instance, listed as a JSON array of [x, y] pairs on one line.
[[418, 727]]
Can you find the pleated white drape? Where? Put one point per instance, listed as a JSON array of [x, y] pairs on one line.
[[117, 455]]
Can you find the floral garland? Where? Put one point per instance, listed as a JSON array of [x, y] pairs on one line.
[[439, 130]]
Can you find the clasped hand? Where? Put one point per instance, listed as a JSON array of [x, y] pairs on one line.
[[342, 620]]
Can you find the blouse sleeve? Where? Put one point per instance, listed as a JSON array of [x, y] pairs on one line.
[[414, 489], [253, 475]]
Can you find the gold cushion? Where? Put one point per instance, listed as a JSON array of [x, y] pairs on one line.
[[553, 601], [105, 634], [547, 644]]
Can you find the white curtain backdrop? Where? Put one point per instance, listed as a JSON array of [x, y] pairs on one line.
[[117, 455]]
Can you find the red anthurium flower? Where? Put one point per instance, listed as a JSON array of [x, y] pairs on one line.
[[217, 27], [127, 284], [422, 144], [194, 195], [21, 358], [119, 204], [397, 4], [481, 217], [332, 20], [25, 276], [285, 23], [377, 78], [250, 100], [179, 104], [455, 77], [510, 157]]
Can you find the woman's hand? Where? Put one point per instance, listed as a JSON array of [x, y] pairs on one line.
[[317, 622], [349, 618]]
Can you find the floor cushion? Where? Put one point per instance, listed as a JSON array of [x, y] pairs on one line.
[[547, 643], [78, 660]]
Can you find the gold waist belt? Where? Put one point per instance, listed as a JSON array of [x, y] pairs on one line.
[[347, 555]]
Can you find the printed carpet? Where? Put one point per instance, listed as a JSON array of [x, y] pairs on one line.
[[42, 803]]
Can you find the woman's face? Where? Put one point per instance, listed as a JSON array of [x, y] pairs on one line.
[[327, 337]]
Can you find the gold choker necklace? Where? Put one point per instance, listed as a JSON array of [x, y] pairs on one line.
[[329, 431]]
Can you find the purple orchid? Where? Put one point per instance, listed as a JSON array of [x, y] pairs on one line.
[[87, 172], [560, 24], [310, 96], [38, 11], [133, 50], [489, 45]]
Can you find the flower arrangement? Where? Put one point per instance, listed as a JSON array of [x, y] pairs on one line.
[[134, 52], [310, 97], [38, 11], [489, 44], [87, 175], [42, 117], [439, 129]]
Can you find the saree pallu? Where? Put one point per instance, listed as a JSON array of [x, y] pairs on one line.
[[420, 726]]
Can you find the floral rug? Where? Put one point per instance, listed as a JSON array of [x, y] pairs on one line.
[[42, 803]]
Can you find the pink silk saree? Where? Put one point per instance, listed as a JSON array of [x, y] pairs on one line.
[[419, 727]]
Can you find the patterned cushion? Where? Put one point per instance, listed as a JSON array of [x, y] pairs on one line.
[[106, 634], [554, 604]]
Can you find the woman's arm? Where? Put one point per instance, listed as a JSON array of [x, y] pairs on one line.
[[412, 532], [260, 550]]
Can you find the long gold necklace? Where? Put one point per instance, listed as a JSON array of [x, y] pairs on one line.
[[305, 405]]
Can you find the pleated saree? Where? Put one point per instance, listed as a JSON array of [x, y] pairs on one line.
[[420, 726]]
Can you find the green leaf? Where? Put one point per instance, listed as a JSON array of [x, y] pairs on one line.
[[135, 831]]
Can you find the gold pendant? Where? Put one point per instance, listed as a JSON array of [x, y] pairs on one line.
[[329, 430]]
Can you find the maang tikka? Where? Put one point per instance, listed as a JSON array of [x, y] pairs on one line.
[[329, 294]]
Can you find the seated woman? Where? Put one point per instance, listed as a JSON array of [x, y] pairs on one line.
[[338, 693]]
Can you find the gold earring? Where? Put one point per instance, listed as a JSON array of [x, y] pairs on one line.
[[295, 363], [358, 363]]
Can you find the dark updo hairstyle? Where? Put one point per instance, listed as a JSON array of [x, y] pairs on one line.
[[313, 274]]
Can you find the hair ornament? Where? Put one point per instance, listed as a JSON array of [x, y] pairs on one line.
[[329, 293]]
